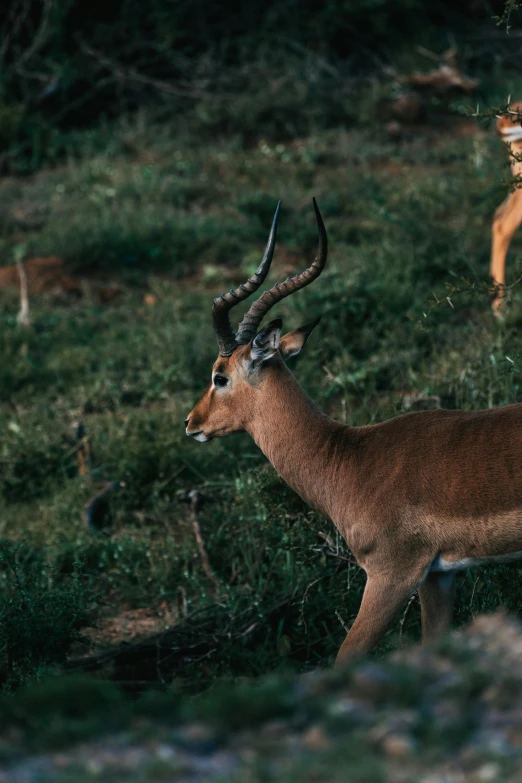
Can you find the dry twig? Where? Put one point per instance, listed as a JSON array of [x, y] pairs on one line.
[[196, 501], [23, 317]]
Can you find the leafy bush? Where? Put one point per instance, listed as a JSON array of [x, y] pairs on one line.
[[40, 617]]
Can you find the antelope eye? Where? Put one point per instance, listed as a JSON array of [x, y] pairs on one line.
[[220, 380]]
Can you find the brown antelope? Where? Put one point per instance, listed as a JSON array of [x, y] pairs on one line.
[[417, 498], [508, 216]]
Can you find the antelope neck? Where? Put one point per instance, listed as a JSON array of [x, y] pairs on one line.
[[301, 442]]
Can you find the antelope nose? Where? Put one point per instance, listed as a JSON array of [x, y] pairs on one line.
[[186, 422]]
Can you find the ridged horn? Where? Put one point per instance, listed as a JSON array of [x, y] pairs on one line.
[[223, 304], [248, 327]]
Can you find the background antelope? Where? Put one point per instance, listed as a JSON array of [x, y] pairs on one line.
[[508, 216], [417, 498]]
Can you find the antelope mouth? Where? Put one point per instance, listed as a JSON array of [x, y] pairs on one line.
[[199, 436]]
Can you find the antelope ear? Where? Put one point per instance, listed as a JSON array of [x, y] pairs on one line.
[[266, 342], [293, 342]]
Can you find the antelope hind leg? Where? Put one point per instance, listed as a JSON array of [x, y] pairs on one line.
[[437, 595]]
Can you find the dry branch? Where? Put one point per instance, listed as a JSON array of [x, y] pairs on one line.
[[23, 317], [129, 74], [197, 500], [164, 656], [203, 552]]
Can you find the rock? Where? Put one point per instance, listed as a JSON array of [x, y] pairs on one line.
[[61, 760], [398, 745], [316, 739], [371, 682], [490, 771], [197, 738]]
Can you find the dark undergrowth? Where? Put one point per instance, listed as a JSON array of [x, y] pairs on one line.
[[209, 70], [405, 315]]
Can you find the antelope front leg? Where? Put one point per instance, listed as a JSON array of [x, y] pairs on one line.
[[437, 595], [382, 601]]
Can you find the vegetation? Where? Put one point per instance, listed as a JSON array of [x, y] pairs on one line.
[[150, 208], [423, 714], [405, 309], [40, 616], [209, 69]]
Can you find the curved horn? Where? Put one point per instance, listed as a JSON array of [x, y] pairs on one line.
[[222, 304], [248, 327]]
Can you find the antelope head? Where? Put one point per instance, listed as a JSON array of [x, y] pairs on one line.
[[249, 359]]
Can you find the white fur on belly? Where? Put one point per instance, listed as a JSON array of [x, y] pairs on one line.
[[442, 565], [512, 134]]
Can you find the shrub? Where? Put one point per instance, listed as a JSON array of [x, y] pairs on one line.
[[40, 617]]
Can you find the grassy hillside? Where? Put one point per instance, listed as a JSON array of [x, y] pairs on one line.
[[166, 223]]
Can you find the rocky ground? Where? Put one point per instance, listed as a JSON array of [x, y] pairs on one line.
[[444, 714]]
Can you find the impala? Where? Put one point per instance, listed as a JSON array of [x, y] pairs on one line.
[[417, 498], [508, 216]]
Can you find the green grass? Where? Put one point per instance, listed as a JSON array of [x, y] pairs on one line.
[[405, 310]]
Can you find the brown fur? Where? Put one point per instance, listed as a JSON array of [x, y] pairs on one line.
[[508, 216], [404, 494]]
